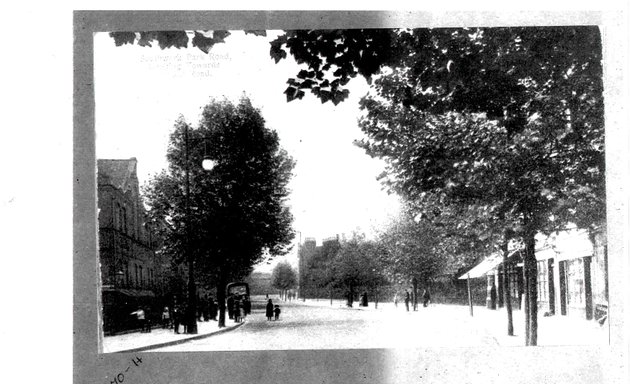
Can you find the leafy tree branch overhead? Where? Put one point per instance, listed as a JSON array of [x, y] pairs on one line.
[[204, 40], [495, 118], [331, 57]]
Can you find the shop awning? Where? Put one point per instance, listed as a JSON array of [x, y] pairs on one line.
[[485, 266], [131, 292]]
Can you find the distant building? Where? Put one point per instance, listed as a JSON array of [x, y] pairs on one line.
[[131, 272], [306, 254]]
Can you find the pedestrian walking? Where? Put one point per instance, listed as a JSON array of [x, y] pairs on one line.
[[396, 300], [247, 306], [426, 297], [350, 299], [206, 309], [276, 312], [166, 318], [213, 309], [177, 318], [230, 307], [407, 299], [237, 311], [186, 317], [364, 299], [141, 317], [269, 310]]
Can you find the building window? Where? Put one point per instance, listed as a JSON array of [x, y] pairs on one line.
[[118, 217], [124, 221], [136, 224], [513, 275], [543, 282], [575, 280]]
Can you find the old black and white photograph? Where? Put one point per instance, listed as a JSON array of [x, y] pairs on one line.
[[351, 188], [341, 194]]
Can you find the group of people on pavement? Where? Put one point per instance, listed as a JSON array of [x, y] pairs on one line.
[[272, 311], [175, 318], [426, 299], [238, 307], [208, 310]]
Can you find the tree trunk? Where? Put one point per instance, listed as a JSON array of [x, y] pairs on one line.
[[191, 309], [221, 301], [351, 296], [506, 288], [414, 281], [469, 294], [191, 313], [531, 293]]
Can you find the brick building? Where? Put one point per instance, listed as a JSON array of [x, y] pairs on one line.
[[308, 253], [132, 273]]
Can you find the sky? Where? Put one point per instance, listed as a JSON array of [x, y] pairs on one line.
[[141, 91]]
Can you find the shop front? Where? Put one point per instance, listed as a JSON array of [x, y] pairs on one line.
[[118, 305]]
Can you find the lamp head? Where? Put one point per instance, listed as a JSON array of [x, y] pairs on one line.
[[208, 164]]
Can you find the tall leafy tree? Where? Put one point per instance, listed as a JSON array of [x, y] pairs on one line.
[[510, 118], [283, 277], [234, 215], [355, 265], [411, 252], [467, 232]]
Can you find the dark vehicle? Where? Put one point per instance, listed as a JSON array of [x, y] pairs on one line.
[[239, 291]]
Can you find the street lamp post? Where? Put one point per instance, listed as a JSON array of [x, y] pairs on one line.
[[191, 314], [301, 268], [119, 279]]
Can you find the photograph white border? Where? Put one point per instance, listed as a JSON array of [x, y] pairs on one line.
[[587, 364]]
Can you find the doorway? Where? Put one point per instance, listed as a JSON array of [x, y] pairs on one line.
[[562, 272]]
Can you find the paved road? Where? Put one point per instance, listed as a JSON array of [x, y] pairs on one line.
[[320, 326]]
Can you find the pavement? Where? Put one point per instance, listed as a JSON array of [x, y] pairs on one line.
[[158, 337], [488, 325], [554, 330]]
